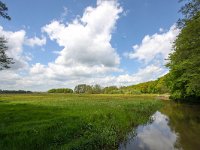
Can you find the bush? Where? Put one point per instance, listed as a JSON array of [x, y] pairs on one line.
[[60, 90]]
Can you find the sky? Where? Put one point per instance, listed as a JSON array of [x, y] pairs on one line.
[[63, 43]]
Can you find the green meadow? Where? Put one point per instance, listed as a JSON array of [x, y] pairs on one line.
[[71, 121]]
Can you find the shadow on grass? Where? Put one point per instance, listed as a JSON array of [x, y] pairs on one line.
[[26, 126], [70, 122]]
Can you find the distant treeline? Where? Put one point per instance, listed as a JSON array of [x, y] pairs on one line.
[[14, 92], [60, 90], [152, 87]]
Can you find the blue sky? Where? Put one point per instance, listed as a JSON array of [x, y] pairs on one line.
[[108, 42]]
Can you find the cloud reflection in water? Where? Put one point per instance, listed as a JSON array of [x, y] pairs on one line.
[[154, 136]]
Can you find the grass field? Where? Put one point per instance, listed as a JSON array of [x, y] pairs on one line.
[[69, 121]]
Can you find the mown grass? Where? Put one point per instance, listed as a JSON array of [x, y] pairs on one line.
[[69, 121]]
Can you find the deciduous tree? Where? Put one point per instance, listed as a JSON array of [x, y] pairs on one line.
[[184, 62], [5, 61]]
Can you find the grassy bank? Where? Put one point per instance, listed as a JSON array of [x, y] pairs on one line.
[[69, 121]]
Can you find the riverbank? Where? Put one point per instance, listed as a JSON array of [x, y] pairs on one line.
[[70, 121], [163, 97]]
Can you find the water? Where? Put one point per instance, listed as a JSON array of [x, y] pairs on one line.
[[175, 126]]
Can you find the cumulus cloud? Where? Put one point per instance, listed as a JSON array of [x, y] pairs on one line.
[[150, 72], [41, 78], [8, 78], [86, 54], [15, 41], [35, 41], [152, 46], [86, 41], [37, 69]]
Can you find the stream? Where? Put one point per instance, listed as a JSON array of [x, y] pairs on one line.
[[174, 127]]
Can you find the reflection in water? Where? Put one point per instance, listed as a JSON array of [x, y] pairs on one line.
[[154, 136], [175, 125], [185, 120]]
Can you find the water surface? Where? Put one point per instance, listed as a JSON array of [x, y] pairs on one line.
[[175, 126]]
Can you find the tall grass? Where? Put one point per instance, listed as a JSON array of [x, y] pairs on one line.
[[69, 121]]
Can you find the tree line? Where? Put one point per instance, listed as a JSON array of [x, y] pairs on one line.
[[158, 86], [14, 92], [152, 87], [60, 90]]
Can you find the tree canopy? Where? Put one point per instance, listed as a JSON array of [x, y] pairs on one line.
[[189, 10], [5, 61], [60, 90], [184, 62], [151, 87]]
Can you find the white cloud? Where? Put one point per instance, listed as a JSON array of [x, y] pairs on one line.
[[43, 78], [152, 46], [86, 56], [87, 53], [86, 41], [8, 78], [64, 13], [161, 30], [37, 69], [147, 73], [158, 130], [35, 41], [15, 41]]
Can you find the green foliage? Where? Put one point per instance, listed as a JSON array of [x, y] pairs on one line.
[[96, 89], [14, 92], [87, 89], [110, 89], [189, 10], [4, 59], [152, 87], [3, 11], [73, 122], [83, 88], [181, 118], [184, 77], [60, 90]]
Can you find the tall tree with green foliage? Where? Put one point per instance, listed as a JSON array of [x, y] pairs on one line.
[[5, 61], [184, 62], [83, 88]]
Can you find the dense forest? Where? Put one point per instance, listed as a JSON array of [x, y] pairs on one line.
[[184, 63]]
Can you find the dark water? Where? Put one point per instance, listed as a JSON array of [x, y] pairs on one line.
[[175, 126]]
